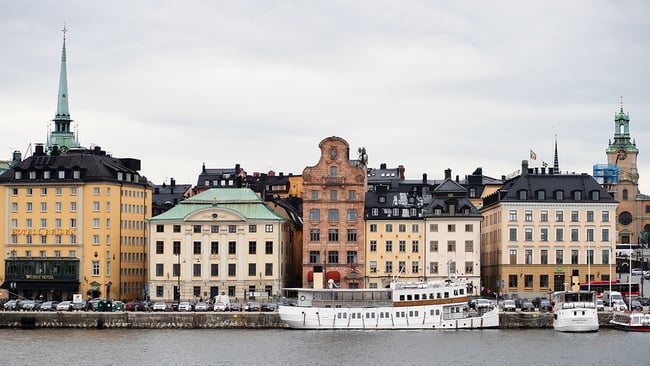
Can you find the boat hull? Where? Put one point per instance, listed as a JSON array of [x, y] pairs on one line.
[[415, 317], [576, 320], [632, 321]]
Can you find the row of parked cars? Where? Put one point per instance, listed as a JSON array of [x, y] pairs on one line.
[[523, 304], [218, 306]]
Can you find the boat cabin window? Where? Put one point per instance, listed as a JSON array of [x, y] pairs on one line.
[[438, 296], [417, 297], [462, 291], [409, 297], [455, 292], [401, 297], [446, 295]]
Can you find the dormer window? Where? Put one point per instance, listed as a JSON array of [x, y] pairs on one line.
[[32, 175], [61, 174], [76, 174], [577, 195], [437, 211], [382, 199], [595, 195], [541, 195], [46, 174], [523, 194], [559, 195], [18, 174]]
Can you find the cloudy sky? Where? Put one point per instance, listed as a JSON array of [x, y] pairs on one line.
[[429, 85]]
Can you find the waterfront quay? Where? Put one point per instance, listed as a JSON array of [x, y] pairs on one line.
[[216, 320]]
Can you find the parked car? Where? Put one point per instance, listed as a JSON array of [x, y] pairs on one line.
[[235, 306], [80, 306], [135, 306], [10, 305], [527, 306], [28, 305], [645, 301], [64, 306], [509, 305], [600, 305], [545, 305], [219, 306], [202, 306], [159, 306], [268, 306], [636, 305], [252, 306], [185, 306], [48, 306]]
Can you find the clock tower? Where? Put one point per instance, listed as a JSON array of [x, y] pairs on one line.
[[623, 153]]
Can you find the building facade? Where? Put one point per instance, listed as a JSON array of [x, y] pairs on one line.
[[220, 241], [333, 228], [545, 232]]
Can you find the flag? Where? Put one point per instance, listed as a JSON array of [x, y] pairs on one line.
[[533, 156]]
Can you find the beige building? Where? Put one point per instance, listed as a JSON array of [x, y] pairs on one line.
[[546, 232], [222, 240]]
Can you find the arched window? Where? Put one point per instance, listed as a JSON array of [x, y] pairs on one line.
[[625, 194]]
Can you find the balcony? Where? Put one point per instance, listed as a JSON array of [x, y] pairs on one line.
[[333, 181]]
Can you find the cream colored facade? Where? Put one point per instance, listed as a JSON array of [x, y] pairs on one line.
[[394, 249], [532, 249], [230, 243]]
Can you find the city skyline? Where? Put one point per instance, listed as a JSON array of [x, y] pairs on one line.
[[427, 86]]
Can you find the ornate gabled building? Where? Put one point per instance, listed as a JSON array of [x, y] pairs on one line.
[[545, 232], [634, 207], [74, 219], [333, 201]]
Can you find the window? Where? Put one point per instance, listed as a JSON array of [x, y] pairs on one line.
[[352, 257], [314, 256], [373, 266], [177, 229], [590, 216], [523, 194], [95, 206], [333, 195], [559, 216], [605, 216], [352, 195], [389, 245], [43, 206], [160, 247], [232, 269], [402, 246], [268, 269], [333, 256], [433, 246], [577, 195], [252, 269], [574, 256], [451, 228], [373, 228], [543, 234], [512, 280], [352, 235], [528, 215], [543, 216], [543, 256], [252, 228], [528, 256], [469, 268], [160, 269], [559, 256], [389, 228], [197, 247], [352, 215], [575, 234], [314, 234], [590, 256], [512, 234], [252, 247], [43, 191], [314, 214], [513, 256], [590, 234], [389, 266], [559, 234], [96, 223], [415, 246], [95, 268], [373, 245], [375, 211], [333, 171], [214, 247], [401, 228], [433, 228], [176, 270], [415, 267], [543, 281], [268, 228], [268, 247], [604, 256], [196, 229], [415, 228], [96, 191], [176, 247], [314, 195], [528, 280], [451, 245], [58, 206], [332, 234], [469, 246], [575, 216], [604, 234], [541, 195], [232, 229], [43, 223], [232, 247], [528, 234], [469, 228], [214, 269], [559, 195], [14, 207]]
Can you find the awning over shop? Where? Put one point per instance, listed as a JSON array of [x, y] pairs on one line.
[[334, 275], [41, 285]]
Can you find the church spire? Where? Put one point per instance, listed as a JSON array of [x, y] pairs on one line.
[[556, 160], [62, 136]]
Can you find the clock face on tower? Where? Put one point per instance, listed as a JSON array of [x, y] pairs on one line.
[[625, 218], [621, 154]]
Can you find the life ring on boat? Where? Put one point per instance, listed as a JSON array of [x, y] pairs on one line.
[[302, 298]]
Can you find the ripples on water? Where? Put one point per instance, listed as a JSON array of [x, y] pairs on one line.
[[293, 347]]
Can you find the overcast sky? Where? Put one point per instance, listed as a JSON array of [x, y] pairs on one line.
[[429, 85]]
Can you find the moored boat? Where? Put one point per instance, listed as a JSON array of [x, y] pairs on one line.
[[404, 305], [635, 321], [575, 311]]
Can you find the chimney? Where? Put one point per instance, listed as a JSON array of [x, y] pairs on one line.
[[447, 173], [382, 166], [457, 178], [39, 150], [401, 172], [424, 178], [524, 167], [172, 182], [17, 156]]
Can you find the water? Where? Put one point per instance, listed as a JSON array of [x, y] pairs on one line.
[[294, 347]]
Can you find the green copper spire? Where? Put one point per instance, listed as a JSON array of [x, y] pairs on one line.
[[62, 137]]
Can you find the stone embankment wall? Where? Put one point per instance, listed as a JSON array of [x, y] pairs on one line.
[[139, 320], [209, 320]]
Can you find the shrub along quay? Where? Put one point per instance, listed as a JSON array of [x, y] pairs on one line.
[[210, 320]]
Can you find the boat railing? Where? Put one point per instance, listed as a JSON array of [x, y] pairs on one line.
[[350, 303]]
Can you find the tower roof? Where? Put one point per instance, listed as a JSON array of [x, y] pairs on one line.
[[62, 109]]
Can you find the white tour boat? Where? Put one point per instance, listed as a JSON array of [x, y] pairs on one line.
[[636, 321], [575, 311], [404, 305]]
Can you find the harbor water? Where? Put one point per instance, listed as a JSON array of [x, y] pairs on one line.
[[225, 347]]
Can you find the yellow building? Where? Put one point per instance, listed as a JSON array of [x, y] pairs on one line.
[[543, 231], [74, 219]]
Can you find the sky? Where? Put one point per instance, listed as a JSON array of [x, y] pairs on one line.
[[429, 85]]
